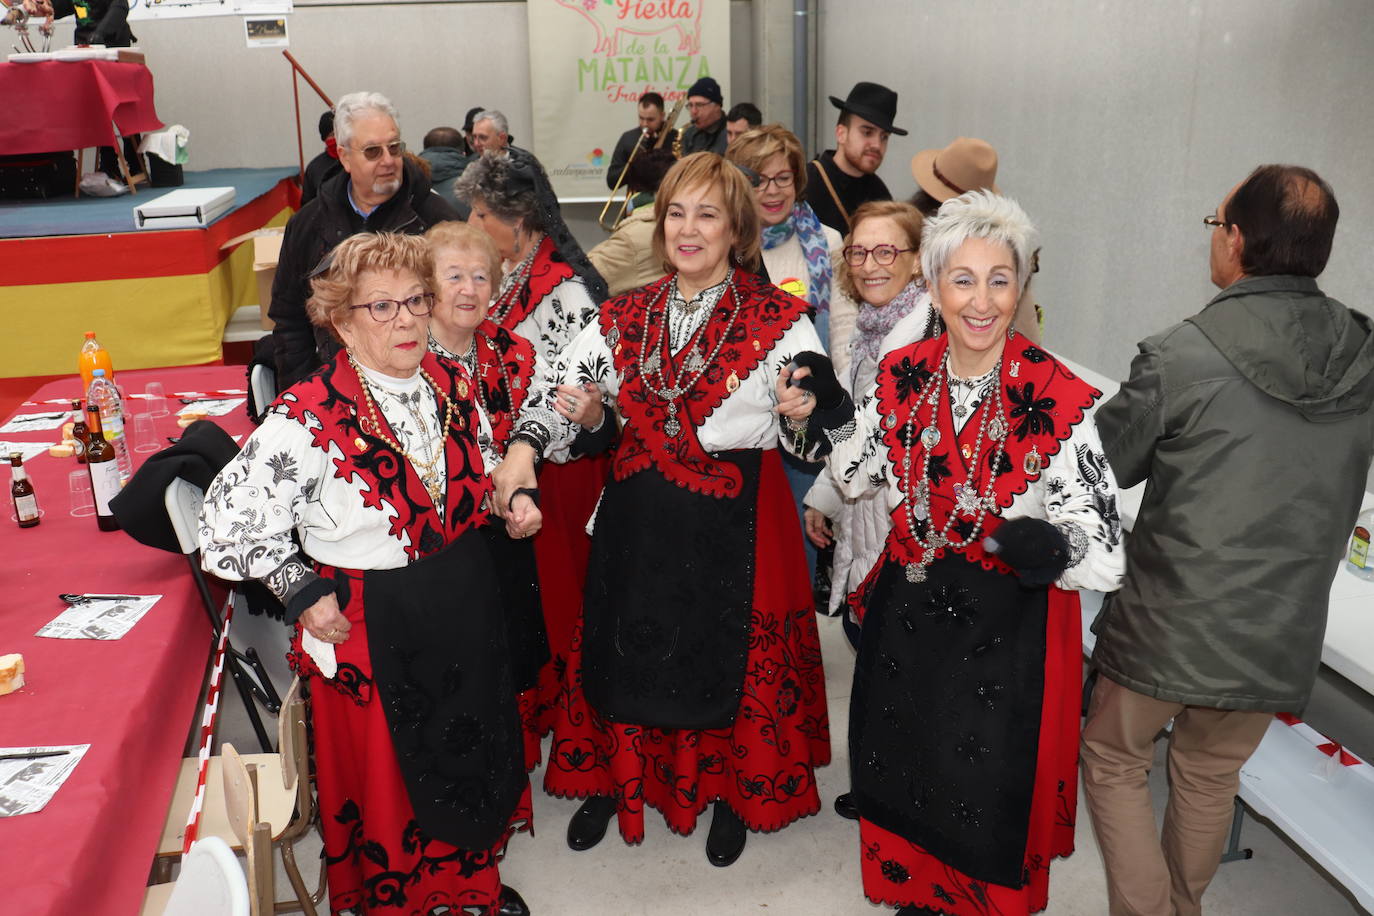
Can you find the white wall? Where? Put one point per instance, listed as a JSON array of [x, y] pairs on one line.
[[1120, 125]]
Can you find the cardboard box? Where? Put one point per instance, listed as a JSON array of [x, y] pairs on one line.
[[266, 251]]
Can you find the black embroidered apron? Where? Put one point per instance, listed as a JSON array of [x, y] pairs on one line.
[[438, 644], [670, 586], [945, 713]]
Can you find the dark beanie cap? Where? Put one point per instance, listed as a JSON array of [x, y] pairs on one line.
[[707, 88]]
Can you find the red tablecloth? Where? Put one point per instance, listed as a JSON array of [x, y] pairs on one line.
[[56, 105], [133, 699]]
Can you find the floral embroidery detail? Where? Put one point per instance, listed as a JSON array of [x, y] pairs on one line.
[[1034, 413]]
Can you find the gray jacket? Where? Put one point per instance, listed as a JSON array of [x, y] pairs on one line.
[[446, 164], [1251, 422]]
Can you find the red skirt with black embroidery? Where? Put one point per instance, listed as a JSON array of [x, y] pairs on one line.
[[897, 872], [764, 765], [567, 499], [377, 858]]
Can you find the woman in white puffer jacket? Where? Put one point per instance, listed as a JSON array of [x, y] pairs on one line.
[[882, 272]]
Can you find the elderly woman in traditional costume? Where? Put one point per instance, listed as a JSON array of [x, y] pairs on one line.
[[548, 294], [358, 502], [964, 713], [697, 675]]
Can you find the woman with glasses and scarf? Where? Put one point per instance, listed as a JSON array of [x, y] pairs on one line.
[[963, 725], [549, 293], [800, 256], [359, 503], [697, 677]]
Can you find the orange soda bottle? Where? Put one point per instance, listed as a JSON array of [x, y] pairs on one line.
[[92, 357]]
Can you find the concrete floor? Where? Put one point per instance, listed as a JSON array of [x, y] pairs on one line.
[[812, 867]]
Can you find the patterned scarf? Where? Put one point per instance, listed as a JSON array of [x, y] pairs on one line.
[[807, 226], [874, 322]]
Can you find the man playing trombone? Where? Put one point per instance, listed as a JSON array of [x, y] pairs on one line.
[[650, 123]]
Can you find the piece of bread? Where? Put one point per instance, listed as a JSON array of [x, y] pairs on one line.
[[11, 673], [68, 430], [62, 450]]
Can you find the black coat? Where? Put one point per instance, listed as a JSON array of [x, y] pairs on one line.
[[712, 139], [623, 146], [852, 191], [317, 171], [107, 23], [310, 235]]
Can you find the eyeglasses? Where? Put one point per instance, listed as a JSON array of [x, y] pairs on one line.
[[385, 310], [782, 181], [697, 106], [372, 153], [883, 255], [1212, 221]]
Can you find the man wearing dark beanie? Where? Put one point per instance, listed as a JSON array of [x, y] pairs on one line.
[[707, 132], [324, 166]]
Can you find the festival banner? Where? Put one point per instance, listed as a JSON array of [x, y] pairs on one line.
[[590, 60]]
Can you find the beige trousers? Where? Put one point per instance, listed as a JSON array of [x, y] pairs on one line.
[[1149, 874]]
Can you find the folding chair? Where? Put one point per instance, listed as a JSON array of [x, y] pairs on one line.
[[262, 384], [255, 836], [211, 884], [285, 802], [183, 501]]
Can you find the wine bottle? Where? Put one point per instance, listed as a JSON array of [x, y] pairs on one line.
[[104, 467]]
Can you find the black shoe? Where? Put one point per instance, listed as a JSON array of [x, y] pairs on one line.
[[512, 904], [846, 807], [588, 825], [725, 840]]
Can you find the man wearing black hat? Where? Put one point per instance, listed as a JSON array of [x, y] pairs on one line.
[[707, 133], [839, 180]]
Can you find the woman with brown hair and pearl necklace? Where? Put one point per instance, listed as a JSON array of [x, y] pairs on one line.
[[964, 713], [697, 675]]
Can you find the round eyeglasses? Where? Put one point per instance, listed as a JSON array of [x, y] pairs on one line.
[[385, 310], [883, 255]]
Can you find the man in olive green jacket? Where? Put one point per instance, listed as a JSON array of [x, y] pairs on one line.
[[1252, 423]]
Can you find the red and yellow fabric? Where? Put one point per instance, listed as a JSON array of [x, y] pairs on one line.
[[154, 298]]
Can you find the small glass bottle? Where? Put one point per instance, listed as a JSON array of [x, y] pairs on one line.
[[21, 491], [1359, 560], [81, 433]]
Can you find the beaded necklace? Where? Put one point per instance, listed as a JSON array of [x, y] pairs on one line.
[[427, 469], [968, 501], [651, 362], [516, 281]]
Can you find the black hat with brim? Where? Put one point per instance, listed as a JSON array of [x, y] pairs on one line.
[[872, 102]]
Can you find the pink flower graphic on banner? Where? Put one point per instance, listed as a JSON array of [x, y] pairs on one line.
[[613, 20]]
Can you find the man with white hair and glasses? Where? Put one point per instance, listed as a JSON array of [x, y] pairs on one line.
[[378, 191]]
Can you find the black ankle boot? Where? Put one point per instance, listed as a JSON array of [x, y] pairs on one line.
[[725, 840], [845, 806], [512, 904], [588, 825]]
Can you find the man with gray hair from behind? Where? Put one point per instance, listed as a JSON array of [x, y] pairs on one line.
[[490, 131], [378, 191]]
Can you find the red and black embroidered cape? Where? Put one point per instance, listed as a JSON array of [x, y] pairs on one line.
[[546, 271], [628, 321]]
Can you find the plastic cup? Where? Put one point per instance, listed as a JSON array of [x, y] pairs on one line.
[[145, 433], [155, 398], [79, 485]]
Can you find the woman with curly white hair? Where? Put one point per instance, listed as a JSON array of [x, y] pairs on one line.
[[964, 713]]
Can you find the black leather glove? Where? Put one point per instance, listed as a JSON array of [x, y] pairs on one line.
[[1035, 550], [821, 382]]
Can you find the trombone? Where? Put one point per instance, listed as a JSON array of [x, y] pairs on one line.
[[620, 181]]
